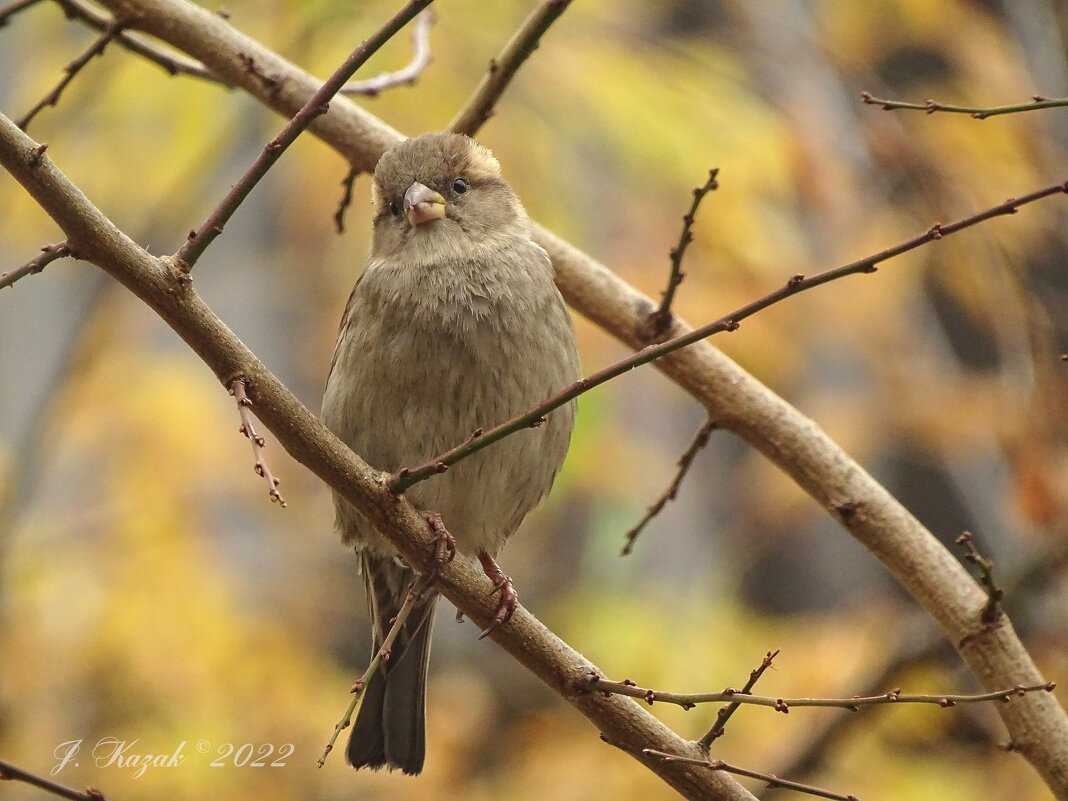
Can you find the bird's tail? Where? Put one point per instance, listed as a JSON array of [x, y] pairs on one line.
[[390, 728]]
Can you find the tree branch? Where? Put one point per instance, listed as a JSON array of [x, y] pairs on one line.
[[771, 779], [535, 416], [737, 401], [420, 61], [978, 112], [700, 439], [727, 711], [852, 703], [317, 104], [168, 61], [479, 107], [661, 318], [17, 7], [248, 428], [72, 69], [992, 611], [415, 592], [169, 292], [9, 772], [347, 184], [48, 254]]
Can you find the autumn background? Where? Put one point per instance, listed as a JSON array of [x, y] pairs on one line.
[[150, 591]]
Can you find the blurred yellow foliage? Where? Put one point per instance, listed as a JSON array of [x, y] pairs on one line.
[[150, 592]]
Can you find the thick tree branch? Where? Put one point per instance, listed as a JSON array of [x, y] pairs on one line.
[[277, 83], [170, 293]]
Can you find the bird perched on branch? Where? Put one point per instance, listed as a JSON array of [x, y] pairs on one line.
[[454, 325]]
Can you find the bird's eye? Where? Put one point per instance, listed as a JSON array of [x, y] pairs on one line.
[[459, 186], [394, 208]]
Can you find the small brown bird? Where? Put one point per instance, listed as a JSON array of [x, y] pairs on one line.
[[454, 325]]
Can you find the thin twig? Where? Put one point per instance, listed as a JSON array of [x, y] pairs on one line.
[[992, 611], [479, 107], [403, 77], [318, 105], [8, 12], [660, 320], [9, 772], [699, 441], [917, 645], [725, 712], [244, 406], [173, 63], [852, 704], [771, 779], [346, 199], [72, 69], [978, 112], [535, 416], [48, 254], [415, 592]]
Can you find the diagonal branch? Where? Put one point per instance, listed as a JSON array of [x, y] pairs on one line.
[[726, 712], [737, 401], [48, 254], [700, 439], [479, 107], [316, 105], [772, 780], [9, 772], [173, 64], [248, 428], [161, 284], [415, 592], [535, 416], [72, 69]]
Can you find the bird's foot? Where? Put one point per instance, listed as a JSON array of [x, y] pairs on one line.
[[501, 583], [444, 544]]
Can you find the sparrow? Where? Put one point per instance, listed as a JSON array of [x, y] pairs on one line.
[[454, 325]]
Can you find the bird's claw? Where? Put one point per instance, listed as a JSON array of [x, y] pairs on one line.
[[444, 544], [509, 599]]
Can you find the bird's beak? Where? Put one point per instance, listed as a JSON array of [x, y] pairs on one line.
[[422, 205]]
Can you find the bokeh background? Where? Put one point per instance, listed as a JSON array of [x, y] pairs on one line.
[[150, 592]]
